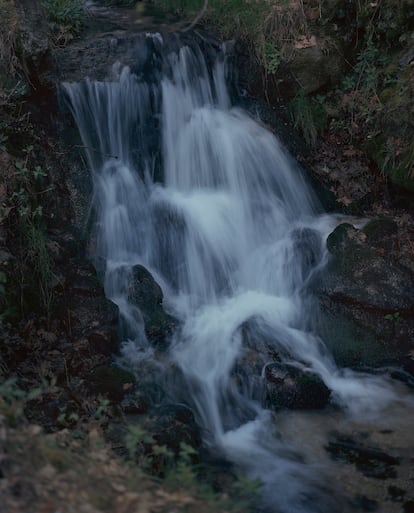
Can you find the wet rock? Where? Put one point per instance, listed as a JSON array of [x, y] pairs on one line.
[[408, 507], [103, 341], [361, 275], [317, 65], [371, 462], [380, 231], [145, 293], [172, 425], [134, 404], [141, 398], [290, 387], [396, 494], [366, 296], [33, 31], [307, 250], [112, 381]]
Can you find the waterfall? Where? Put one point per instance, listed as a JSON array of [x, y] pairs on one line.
[[207, 199]]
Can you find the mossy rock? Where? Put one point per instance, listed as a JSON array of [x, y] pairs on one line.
[[339, 239], [379, 231], [392, 148], [359, 275], [112, 381]]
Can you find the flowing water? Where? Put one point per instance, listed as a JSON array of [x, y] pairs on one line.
[[207, 199]]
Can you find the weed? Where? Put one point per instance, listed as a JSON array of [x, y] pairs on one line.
[[309, 116], [22, 212], [66, 17], [3, 140], [120, 3], [8, 39], [13, 400], [392, 316], [270, 55]]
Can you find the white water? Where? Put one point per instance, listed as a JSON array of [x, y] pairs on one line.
[[219, 231]]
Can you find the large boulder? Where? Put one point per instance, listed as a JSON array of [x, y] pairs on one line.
[[145, 293], [360, 275], [367, 294]]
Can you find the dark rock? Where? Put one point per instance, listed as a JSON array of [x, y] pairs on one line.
[[313, 68], [408, 507], [307, 250], [103, 341], [366, 290], [113, 381], [370, 461], [396, 494], [145, 293], [361, 502], [33, 31], [172, 425], [366, 296], [134, 404], [290, 387], [141, 398], [380, 231]]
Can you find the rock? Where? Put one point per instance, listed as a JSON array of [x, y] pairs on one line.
[[372, 462], [112, 381], [33, 31], [103, 341], [380, 231], [307, 250], [145, 293], [366, 296], [290, 387], [141, 398], [172, 425], [315, 67], [362, 276]]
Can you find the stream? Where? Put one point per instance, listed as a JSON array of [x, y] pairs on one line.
[[189, 186]]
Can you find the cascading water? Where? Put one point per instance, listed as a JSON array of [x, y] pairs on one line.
[[220, 221]]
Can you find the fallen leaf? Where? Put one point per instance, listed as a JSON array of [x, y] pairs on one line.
[[345, 201], [305, 42]]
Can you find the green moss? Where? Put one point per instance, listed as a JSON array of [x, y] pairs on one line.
[[111, 381], [378, 229]]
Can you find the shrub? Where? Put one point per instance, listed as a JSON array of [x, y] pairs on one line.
[[309, 116], [65, 15], [9, 62]]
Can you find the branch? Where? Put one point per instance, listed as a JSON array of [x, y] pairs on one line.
[[198, 17]]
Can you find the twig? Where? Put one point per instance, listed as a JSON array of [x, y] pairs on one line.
[[198, 17]]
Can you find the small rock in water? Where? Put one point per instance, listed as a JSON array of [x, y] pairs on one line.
[[145, 293], [290, 387]]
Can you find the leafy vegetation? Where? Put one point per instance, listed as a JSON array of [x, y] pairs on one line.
[[66, 18], [120, 3], [267, 27], [8, 37], [373, 105], [309, 116]]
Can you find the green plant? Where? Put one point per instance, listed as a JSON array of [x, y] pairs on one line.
[[309, 116], [67, 17], [22, 213], [13, 399], [8, 39], [120, 3], [3, 140], [270, 55], [392, 316]]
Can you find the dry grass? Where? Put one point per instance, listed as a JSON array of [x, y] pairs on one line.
[[8, 38]]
